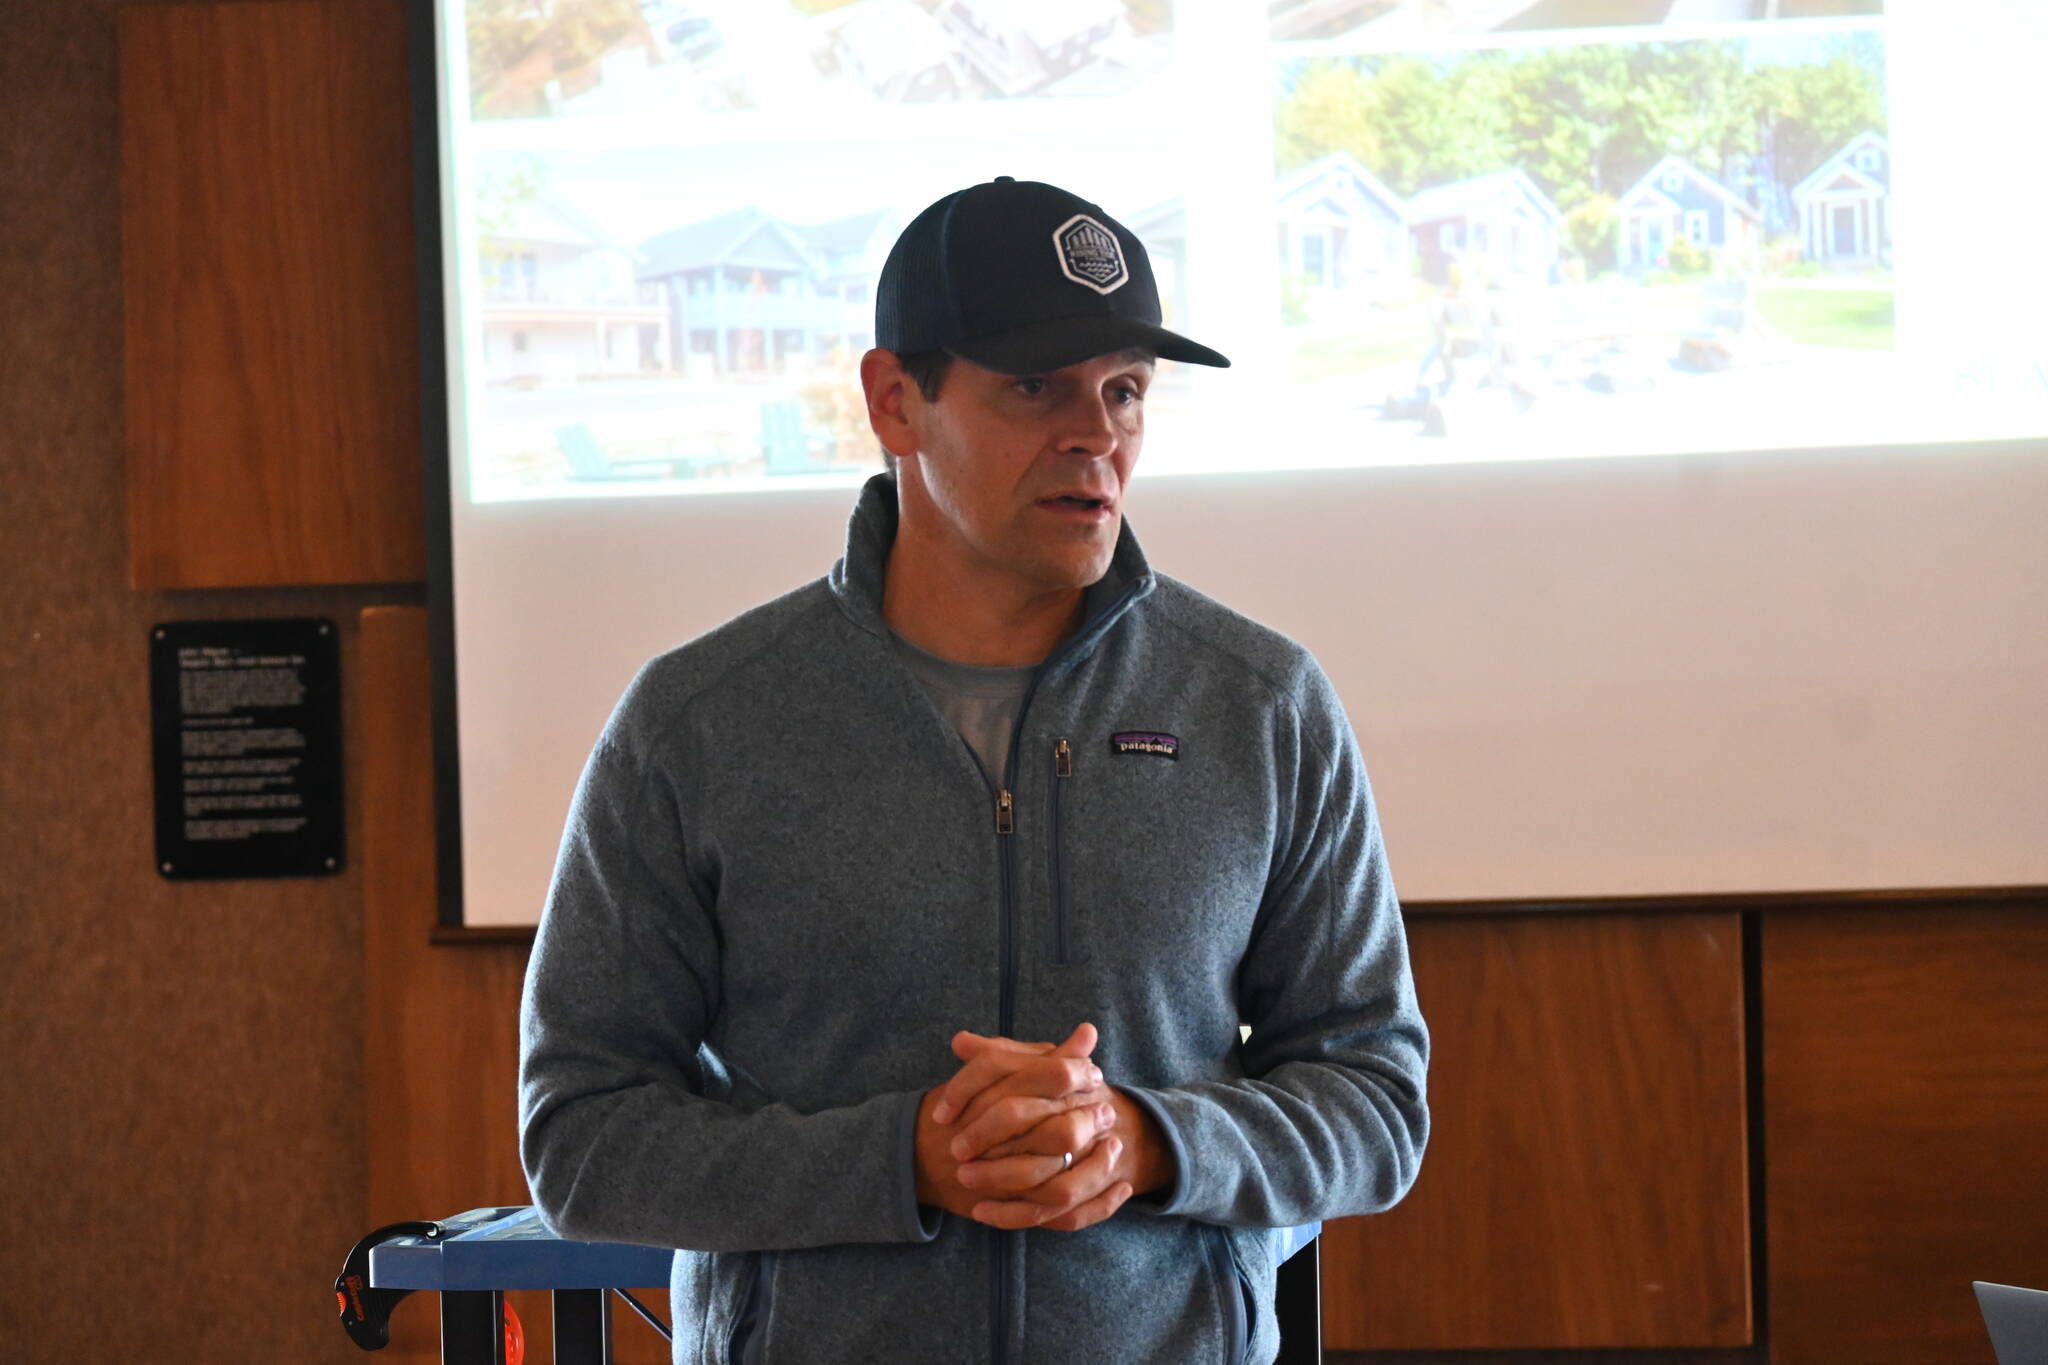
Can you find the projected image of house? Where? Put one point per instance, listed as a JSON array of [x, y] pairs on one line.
[[1676, 202], [560, 298], [1704, 224], [1341, 229], [749, 293], [1500, 225], [1844, 217]]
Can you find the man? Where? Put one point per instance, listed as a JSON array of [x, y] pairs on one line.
[[903, 926]]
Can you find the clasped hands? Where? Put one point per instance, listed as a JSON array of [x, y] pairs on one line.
[[991, 1142]]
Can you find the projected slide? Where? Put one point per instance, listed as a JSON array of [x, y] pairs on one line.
[[1436, 18], [1620, 235], [1426, 230]]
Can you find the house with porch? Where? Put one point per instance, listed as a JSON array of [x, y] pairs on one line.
[[1677, 201], [748, 293], [846, 257], [1501, 224], [560, 297], [1845, 205]]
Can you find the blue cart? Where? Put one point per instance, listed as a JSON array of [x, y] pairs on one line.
[[470, 1260]]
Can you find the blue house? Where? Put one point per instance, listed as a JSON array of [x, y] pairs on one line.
[[749, 293], [1502, 225], [1845, 205], [1677, 201], [846, 257]]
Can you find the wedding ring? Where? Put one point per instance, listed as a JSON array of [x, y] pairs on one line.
[[1067, 1162]]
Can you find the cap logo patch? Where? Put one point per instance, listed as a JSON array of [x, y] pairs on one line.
[[1090, 254]]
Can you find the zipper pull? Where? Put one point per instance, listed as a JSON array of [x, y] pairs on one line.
[[1006, 813], [1062, 760]]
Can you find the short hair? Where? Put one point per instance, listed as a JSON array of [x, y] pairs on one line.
[[928, 370]]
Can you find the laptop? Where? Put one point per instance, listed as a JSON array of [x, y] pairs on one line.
[[2017, 1320]]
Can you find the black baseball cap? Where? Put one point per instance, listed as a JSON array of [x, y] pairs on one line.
[[1021, 277]]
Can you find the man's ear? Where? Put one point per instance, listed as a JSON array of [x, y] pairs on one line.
[[889, 393]]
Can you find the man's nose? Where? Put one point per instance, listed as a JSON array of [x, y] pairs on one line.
[[1088, 427]]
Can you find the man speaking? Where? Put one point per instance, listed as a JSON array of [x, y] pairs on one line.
[[902, 929]]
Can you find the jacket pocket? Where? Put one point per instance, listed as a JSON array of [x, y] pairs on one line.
[[1055, 857], [750, 1317], [1233, 1292]]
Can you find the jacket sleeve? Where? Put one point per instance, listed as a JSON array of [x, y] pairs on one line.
[[618, 1136], [1331, 1116]]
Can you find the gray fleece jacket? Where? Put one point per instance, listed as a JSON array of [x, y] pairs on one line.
[[786, 882]]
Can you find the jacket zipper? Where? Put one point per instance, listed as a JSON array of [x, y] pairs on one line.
[[999, 1260], [1006, 829], [1062, 769]]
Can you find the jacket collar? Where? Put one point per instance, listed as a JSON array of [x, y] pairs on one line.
[[856, 580]]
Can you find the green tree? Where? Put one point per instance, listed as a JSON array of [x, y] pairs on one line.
[[1330, 108], [1634, 106], [1806, 112], [1589, 226], [1583, 120], [1412, 122]]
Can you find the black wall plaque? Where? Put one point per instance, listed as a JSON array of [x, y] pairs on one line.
[[246, 726]]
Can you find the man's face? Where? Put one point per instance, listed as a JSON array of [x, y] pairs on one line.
[[1025, 474]]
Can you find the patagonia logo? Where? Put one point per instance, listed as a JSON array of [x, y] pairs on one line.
[[1145, 742]]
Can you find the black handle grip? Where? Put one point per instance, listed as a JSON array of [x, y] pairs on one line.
[[366, 1312]]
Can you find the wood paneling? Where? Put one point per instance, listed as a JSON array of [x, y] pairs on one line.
[[442, 1027], [1905, 1111], [1585, 1183], [181, 1116], [271, 329]]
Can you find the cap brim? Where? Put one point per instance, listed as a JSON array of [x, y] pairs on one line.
[[1061, 342]]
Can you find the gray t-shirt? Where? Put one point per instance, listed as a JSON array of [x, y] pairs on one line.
[[982, 703]]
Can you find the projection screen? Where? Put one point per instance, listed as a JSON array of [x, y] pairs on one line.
[[1638, 405]]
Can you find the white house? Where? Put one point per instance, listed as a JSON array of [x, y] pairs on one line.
[[1844, 206], [560, 301], [1341, 232]]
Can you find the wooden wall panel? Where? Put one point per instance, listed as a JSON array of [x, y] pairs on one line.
[[267, 259], [1585, 1183], [1905, 1114], [442, 1041]]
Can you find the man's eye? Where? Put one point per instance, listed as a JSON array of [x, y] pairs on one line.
[[1128, 393], [1031, 386]]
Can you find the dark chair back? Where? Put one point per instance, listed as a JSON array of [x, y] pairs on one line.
[[1298, 1306]]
